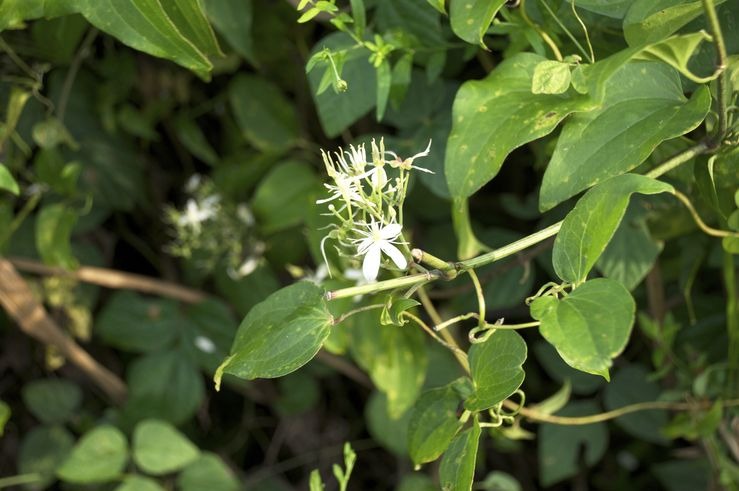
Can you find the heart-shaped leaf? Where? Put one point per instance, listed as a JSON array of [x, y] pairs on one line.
[[590, 326], [99, 456], [495, 366], [158, 448]]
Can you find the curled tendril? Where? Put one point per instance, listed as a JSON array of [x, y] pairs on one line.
[[487, 330]]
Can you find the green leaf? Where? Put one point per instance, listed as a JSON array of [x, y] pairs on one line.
[[139, 483], [588, 228], [438, 5], [157, 27], [457, 470], [676, 51], [189, 18], [562, 448], [493, 116], [14, 12], [280, 334], [193, 139], [631, 385], [158, 448], [395, 358], [52, 400], [207, 472], [384, 82], [582, 383], [389, 432], [99, 456], [495, 366], [338, 111], [588, 327], [233, 20], [4, 416], [644, 105], [611, 8], [7, 182], [266, 118], [649, 21], [132, 323], [54, 225], [174, 395], [282, 199], [470, 19], [433, 423], [551, 77], [393, 310], [42, 451], [632, 251]]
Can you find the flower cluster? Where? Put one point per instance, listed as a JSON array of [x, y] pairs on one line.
[[212, 231], [366, 197]]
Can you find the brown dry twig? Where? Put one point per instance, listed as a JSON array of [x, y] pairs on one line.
[[18, 301], [110, 278]]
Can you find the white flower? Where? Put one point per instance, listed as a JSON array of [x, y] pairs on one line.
[[193, 183], [346, 188], [204, 344], [375, 241], [407, 164], [194, 214], [245, 215]]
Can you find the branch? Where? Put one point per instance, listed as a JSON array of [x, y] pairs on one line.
[[113, 279], [538, 417], [18, 301]]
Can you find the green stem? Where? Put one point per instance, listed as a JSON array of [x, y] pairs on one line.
[[19, 218], [74, 67], [699, 221], [358, 310], [480, 296], [679, 159], [510, 249], [20, 479], [732, 322], [721, 63], [537, 416], [566, 31]]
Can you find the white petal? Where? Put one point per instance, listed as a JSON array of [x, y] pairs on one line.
[[389, 232], [394, 254], [371, 263], [364, 244]]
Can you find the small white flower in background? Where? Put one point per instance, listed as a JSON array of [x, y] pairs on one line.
[[346, 188], [204, 344], [193, 183], [245, 215], [377, 240], [407, 164], [194, 214]]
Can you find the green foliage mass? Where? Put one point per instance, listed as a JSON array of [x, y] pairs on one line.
[[369, 244]]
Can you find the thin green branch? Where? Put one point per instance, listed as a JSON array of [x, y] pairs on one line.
[[540, 417], [566, 31], [721, 64], [701, 224], [358, 310]]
